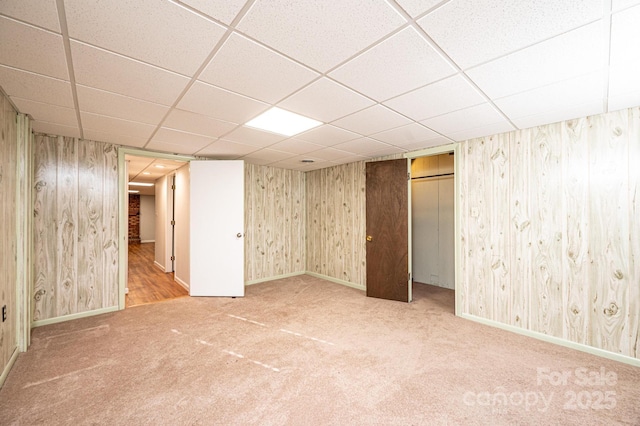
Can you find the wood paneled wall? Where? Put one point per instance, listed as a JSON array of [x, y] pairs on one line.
[[274, 222], [75, 226], [550, 230], [8, 233], [336, 222]]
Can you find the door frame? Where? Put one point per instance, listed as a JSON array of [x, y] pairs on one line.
[[123, 209], [444, 149]]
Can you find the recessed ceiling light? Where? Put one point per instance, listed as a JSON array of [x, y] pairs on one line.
[[159, 166], [133, 191], [307, 160], [140, 184], [146, 173], [282, 122]]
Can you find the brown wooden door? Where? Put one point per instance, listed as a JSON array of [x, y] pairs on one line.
[[387, 230]]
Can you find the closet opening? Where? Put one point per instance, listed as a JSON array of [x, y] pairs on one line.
[[432, 246]]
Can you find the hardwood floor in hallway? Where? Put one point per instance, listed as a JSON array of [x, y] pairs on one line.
[[147, 283]]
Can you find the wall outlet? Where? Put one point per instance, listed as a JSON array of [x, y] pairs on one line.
[[4, 313]]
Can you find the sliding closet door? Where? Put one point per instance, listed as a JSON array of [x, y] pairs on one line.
[[217, 228]]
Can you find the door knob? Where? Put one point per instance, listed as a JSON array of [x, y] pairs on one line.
[[239, 235], [369, 238]]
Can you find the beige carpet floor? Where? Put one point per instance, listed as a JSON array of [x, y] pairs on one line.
[[303, 351]]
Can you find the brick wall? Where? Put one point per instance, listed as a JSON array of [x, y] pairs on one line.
[[134, 218]]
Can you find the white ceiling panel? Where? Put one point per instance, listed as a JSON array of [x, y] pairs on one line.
[[113, 138], [114, 73], [624, 72], [224, 11], [42, 13], [481, 131], [417, 7], [218, 103], [566, 113], [296, 163], [439, 141], [329, 154], [439, 98], [465, 119], [318, 33], [116, 126], [555, 102], [363, 146], [554, 60], [325, 100], [395, 66], [171, 148], [196, 123], [350, 159], [372, 120], [245, 67], [114, 105], [188, 141], [406, 135], [47, 112], [55, 129], [249, 136], [475, 31], [224, 149], [295, 146], [622, 4], [267, 156], [327, 135], [155, 31], [35, 87], [32, 49]]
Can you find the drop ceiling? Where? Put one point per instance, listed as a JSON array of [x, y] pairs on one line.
[[384, 77]]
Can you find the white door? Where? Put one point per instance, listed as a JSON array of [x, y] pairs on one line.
[[216, 228]]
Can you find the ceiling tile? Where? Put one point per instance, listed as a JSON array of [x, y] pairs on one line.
[[255, 137], [327, 135], [224, 11], [438, 98], [245, 67], [621, 4], [624, 83], [102, 123], [560, 58], [197, 123], [47, 112], [55, 129], [223, 149], [171, 148], [267, 156], [42, 13], [571, 111], [363, 146], [414, 146], [405, 135], [35, 87], [114, 105], [475, 31], [295, 146], [320, 34], [188, 142], [372, 120], [113, 138], [478, 116], [481, 131], [32, 49], [295, 163], [330, 154], [555, 102], [395, 66], [417, 7], [325, 100], [152, 31], [218, 103], [114, 73]]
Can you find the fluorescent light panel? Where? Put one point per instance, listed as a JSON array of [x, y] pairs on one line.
[[140, 184], [282, 122], [133, 191]]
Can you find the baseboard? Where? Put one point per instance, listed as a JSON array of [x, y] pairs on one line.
[[64, 318], [159, 266], [182, 283], [337, 281], [147, 241], [556, 340], [9, 366], [277, 277]]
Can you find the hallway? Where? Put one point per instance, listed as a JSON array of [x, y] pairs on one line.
[[147, 283]]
